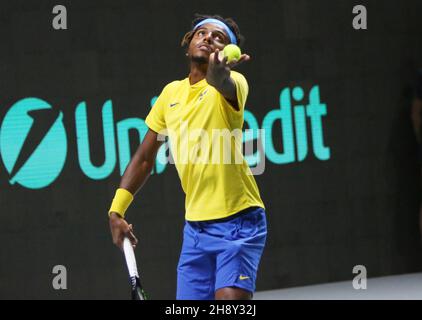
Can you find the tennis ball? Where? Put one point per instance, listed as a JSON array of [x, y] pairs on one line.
[[232, 52]]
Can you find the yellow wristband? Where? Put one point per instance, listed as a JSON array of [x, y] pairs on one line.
[[122, 200]]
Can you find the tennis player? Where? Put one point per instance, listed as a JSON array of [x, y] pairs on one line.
[[225, 229]]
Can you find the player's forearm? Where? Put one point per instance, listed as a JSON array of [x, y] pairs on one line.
[[139, 168], [136, 174], [227, 88]]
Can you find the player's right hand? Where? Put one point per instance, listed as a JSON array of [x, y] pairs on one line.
[[120, 229]]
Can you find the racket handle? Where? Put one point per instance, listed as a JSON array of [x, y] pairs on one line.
[[130, 258]]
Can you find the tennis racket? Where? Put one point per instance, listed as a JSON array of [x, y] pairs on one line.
[[138, 292]]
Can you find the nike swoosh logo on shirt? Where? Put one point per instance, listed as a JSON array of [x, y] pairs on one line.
[[173, 104]]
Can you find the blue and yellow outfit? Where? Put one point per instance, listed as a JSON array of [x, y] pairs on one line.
[[225, 229]]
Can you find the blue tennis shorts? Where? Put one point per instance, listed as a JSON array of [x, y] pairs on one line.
[[219, 254]]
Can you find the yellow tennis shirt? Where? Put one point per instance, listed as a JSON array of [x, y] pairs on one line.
[[205, 141]]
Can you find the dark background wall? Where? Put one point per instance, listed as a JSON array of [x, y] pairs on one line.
[[359, 207]]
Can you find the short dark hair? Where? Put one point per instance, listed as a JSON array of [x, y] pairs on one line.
[[187, 38]]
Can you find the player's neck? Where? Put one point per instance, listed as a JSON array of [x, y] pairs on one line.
[[197, 72]]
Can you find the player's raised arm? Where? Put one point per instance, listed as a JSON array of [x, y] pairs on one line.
[[218, 75], [136, 174]]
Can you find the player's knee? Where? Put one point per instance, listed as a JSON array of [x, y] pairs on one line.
[[232, 293]]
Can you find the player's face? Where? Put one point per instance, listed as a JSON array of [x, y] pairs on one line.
[[207, 39]]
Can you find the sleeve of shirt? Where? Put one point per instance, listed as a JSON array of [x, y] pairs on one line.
[[156, 117]]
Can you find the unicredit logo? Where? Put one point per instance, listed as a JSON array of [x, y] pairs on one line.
[[34, 141]]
